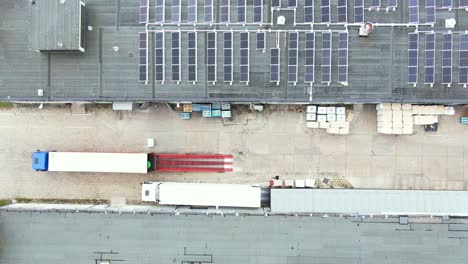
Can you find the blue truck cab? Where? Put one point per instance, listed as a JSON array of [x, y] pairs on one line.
[[40, 161]]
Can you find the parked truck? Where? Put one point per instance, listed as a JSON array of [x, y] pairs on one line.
[[202, 194], [129, 162]]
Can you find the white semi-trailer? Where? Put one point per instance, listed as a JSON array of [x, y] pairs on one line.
[[202, 194]]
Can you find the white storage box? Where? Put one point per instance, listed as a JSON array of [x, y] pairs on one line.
[[321, 118], [324, 125], [312, 124], [341, 110], [322, 110], [331, 117], [331, 110], [311, 117], [311, 109], [340, 118], [299, 183]]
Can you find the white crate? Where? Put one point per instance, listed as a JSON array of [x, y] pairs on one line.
[[331, 110], [322, 110], [398, 124], [309, 183], [449, 110], [311, 109], [331, 117], [397, 130], [288, 183], [299, 183], [341, 110], [383, 107], [407, 130], [311, 117], [334, 124], [396, 106], [341, 118], [407, 106], [384, 130], [324, 125], [312, 125], [425, 120], [321, 118]]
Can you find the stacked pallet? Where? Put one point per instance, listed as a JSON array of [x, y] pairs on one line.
[[331, 118], [399, 119]]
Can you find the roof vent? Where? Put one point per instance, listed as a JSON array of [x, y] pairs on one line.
[[281, 20], [450, 23]]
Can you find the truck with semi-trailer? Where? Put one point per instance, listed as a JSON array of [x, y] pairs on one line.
[[129, 162]]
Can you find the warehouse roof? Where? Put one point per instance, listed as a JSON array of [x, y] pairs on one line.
[[348, 68], [377, 202]]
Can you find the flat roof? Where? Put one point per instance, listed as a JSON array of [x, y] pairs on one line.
[[109, 69], [143, 238], [205, 194], [376, 202], [98, 162]]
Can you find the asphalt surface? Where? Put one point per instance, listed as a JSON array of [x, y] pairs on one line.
[[53, 238]]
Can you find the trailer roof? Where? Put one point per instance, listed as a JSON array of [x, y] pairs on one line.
[[98, 162], [208, 194]]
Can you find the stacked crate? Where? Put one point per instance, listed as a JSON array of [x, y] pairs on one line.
[[331, 118]]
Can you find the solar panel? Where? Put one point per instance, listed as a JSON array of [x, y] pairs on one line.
[[343, 58], [192, 56], [358, 11], [342, 11], [413, 7], [225, 13], [463, 60], [143, 65], [413, 40], [293, 56], [208, 11], [375, 4], [275, 3], [143, 11], [244, 57], [227, 56], [429, 58], [326, 57], [261, 40], [430, 11], [393, 4], [447, 4], [292, 3], [175, 11], [192, 11], [159, 15], [274, 65], [325, 9], [309, 57], [258, 11], [176, 56], [308, 11], [241, 11], [447, 57], [159, 56], [463, 4], [211, 56]]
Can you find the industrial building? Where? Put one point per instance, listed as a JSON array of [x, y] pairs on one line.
[[276, 51]]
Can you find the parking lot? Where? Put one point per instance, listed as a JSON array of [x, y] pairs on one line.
[[264, 144]]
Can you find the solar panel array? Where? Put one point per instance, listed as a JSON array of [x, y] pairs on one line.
[[463, 60], [159, 56], [159, 16], [227, 56], [244, 57], [309, 57], [429, 58], [375, 4], [326, 56], [208, 11], [241, 5], [447, 58], [176, 12], [413, 8], [274, 65], [293, 54], [258, 11], [343, 58], [392, 4], [430, 11], [192, 11], [143, 65], [447, 4], [463, 4], [192, 56], [176, 56], [225, 13], [275, 3], [292, 3], [308, 11], [143, 18], [358, 11], [342, 11], [261, 40], [211, 56], [413, 40], [325, 9]]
